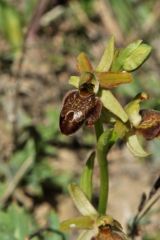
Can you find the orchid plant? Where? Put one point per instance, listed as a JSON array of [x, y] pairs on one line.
[[92, 103]]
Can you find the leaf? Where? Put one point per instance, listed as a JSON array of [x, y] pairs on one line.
[[53, 220], [20, 222], [137, 57], [81, 201], [20, 156], [86, 177], [107, 57], [82, 222], [109, 80], [74, 81], [83, 63], [111, 103], [40, 173], [135, 147], [11, 26], [14, 223], [54, 224], [123, 54], [49, 130]]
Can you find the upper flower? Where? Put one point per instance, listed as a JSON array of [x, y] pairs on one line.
[[84, 105]]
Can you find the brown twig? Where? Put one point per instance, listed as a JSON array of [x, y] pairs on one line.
[[111, 25], [16, 179]]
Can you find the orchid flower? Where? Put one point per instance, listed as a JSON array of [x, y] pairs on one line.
[[145, 122], [91, 222]]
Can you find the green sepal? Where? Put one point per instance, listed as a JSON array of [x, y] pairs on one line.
[[111, 103], [81, 201], [83, 63], [123, 55], [133, 108], [135, 147], [86, 177], [74, 81], [107, 57], [82, 222], [108, 80], [137, 57]]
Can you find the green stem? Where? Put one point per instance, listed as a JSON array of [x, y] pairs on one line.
[[98, 128], [105, 142]]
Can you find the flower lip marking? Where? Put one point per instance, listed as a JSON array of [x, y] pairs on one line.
[[79, 106], [150, 124]]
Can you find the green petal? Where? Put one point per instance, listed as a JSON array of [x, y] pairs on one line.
[[137, 57], [107, 57], [87, 235], [132, 109], [123, 54], [110, 79], [83, 63], [86, 177], [135, 147], [74, 81], [81, 201], [83, 222], [111, 103]]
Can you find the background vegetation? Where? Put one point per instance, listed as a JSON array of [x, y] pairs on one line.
[[39, 41]]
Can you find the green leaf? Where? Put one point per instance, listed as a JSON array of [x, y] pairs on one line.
[[49, 130], [40, 173], [107, 57], [54, 224], [137, 57], [14, 223], [74, 81], [86, 177], [20, 156], [20, 222], [53, 220], [81, 201], [135, 147], [11, 26], [82, 222], [111, 103], [123, 54]]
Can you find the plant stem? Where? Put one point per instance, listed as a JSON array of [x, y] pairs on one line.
[[98, 128], [105, 142]]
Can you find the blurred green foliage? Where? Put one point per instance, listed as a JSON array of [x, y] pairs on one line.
[[11, 25]]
